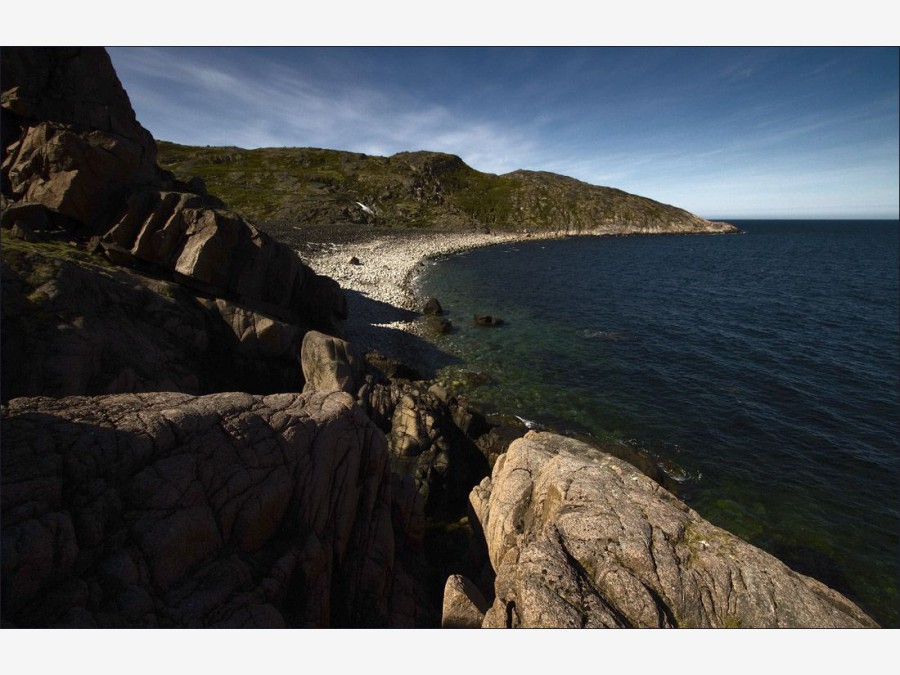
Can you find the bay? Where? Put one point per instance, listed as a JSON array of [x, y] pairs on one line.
[[758, 371]]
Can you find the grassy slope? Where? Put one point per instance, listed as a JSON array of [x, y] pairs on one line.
[[282, 186]]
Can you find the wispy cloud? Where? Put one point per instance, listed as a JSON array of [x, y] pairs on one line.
[[697, 128], [287, 108]]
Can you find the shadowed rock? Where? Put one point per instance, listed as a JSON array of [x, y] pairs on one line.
[[426, 444], [75, 157], [71, 139], [71, 327], [487, 320], [329, 364], [579, 538], [227, 510], [464, 605], [432, 307]]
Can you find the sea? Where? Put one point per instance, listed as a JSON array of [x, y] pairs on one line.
[[757, 372]]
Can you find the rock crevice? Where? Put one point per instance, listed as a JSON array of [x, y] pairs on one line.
[[580, 538]]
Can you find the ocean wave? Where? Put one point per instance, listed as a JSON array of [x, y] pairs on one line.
[[611, 335]]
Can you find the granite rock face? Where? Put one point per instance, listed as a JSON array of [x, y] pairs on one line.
[[218, 252], [71, 140], [166, 509], [578, 538], [74, 326], [464, 605], [77, 162], [329, 364]]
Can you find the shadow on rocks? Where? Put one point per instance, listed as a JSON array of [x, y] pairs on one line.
[[366, 328]]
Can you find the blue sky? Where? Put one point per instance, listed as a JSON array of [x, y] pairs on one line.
[[726, 132]]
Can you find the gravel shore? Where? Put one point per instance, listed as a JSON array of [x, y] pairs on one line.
[[383, 309]]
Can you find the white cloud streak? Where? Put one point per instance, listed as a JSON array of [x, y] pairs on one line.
[[760, 151]]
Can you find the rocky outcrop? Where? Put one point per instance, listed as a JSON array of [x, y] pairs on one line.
[[218, 252], [426, 441], [76, 160], [578, 538], [329, 364], [73, 324], [464, 605], [70, 137], [165, 509]]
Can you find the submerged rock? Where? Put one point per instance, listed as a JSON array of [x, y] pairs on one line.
[[487, 320], [578, 538], [432, 307], [440, 325]]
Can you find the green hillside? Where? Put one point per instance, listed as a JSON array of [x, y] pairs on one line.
[[312, 186]]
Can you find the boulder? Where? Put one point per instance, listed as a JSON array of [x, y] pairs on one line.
[[464, 605], [74, 327], [432, 307], [72, 142], [229, 510], [579, 538], [439, 325], [219, 253], [487, 320], [329, 364], [81, 175]]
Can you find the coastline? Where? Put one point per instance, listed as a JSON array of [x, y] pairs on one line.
[[382, 307], [383, 310]]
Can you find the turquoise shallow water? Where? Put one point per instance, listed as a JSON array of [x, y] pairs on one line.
[[760, 371]]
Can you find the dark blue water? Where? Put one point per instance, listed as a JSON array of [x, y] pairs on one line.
[[760, 371]]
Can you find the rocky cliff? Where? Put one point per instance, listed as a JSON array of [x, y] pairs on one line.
[[79, 175], [141, 487], [284, 186]]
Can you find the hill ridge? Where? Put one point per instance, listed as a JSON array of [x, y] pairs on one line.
[[421, 188]]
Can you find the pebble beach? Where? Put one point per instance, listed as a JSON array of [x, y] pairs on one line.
[[379, 281]]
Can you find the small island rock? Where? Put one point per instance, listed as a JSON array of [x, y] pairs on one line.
[[432, 307], [487, 320]]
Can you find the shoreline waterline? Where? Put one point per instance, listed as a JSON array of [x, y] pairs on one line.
[[382, 306]]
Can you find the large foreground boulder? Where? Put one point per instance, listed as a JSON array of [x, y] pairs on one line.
[[578, 538], [166, 509]]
